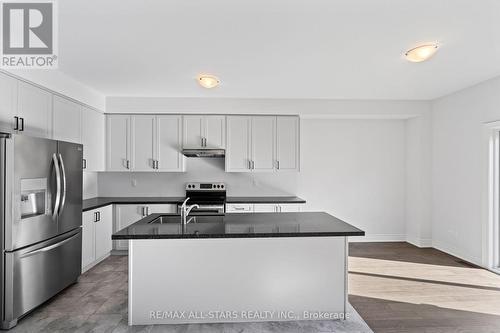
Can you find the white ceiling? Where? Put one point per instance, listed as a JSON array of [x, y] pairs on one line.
[[339, 49]]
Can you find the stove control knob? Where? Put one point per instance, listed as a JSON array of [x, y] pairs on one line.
[[222, 186]]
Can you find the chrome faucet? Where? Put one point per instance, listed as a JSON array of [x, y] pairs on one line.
[[185, 210]]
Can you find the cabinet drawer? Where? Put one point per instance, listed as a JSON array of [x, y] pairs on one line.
[[239, 208]]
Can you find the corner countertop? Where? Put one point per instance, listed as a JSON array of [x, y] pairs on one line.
[[242, 225], [98, 202]]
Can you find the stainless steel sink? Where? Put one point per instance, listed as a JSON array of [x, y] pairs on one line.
[[163, 219], [167, 219]]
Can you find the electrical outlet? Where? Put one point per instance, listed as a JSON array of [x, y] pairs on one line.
[[134, 182]]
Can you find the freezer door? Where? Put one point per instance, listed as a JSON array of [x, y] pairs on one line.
[[35, 274], [31, 190], [70, 157]]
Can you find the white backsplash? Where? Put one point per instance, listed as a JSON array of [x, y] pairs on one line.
[[198, 170]]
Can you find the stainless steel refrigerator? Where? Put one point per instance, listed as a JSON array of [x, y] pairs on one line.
[[41, 215]]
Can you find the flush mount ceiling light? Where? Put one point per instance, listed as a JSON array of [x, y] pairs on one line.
[[421, 53], [208, 81]]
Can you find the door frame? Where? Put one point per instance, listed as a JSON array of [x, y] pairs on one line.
[[491, 195]]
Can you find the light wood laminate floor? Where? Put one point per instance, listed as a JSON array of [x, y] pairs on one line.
[[399, 288]]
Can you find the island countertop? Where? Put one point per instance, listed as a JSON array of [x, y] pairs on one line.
[[239, 225]]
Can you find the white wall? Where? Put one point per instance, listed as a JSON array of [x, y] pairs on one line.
[[353, 169], [89, 185], [59, 82], [459, 168]]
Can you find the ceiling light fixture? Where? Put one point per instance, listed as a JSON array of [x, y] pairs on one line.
[[421, 53], [208, 81]]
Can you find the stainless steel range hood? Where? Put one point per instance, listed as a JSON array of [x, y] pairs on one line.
[[204, 152]]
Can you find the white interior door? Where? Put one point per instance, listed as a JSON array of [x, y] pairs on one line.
[[66, 120], [93, 129], [238, 144], [8, 102], [215, 131], [118, 142], [169, 143], [263, 143], [35, 107], [193, 131], [287, 143], [143, 142]]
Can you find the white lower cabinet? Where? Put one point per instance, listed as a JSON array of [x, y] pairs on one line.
[[263, 208], [126, 215], [97, 228]]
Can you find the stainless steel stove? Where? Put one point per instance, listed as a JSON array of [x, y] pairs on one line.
[[211, 197]]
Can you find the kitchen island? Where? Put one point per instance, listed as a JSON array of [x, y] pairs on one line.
[[237, 268]]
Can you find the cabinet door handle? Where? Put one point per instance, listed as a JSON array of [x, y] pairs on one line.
[[253, 164], [249, 164], [84, 166], [278, 165], [147, 210], [16, 126], [157, 164], [22, 125], [95, 216], [98, 216], [127, 164]]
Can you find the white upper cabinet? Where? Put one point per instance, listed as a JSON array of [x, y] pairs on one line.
[[193, 131], [238, 144], [93, 139], [169, 143], [204, 131], [34, 107], [66, 120], [118, 143], [143, 142], [262, 143], [263, 138], [287, 143], [8, 102], [215, 131]]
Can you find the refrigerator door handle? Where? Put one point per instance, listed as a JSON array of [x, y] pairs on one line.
[[63, 200], [50, 247], [58, 186]]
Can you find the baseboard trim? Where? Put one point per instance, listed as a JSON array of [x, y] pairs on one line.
[[378, 238], [449, 249], [420, 242]]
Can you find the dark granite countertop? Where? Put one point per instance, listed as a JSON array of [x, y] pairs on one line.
[[242, 225], [94, 203]]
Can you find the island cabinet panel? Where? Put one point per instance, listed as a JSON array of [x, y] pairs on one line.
[[143, 137], [287, 143], [66, 120], [8, 102], [118, 143], [281, 274], [264, 208], [97, 225], [93, 140], [169, 143], [204, 131], [34, 109]]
